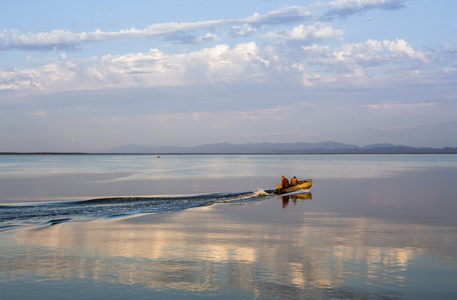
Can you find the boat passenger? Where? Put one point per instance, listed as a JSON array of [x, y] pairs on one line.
[[285, 182], [294, 181]]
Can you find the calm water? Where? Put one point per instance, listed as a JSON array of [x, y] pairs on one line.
[[373, 227], [81, 177]]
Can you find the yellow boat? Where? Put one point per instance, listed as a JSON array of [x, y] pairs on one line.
[[302, 185]]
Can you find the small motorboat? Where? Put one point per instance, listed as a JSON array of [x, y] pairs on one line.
[[302, 185]]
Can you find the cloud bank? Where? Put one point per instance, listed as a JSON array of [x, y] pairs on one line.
[[279, 53], [262, 77], [63, 39]]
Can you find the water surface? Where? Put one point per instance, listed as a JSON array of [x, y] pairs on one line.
[[372, 227]]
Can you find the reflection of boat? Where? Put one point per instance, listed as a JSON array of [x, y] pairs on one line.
[[304, 196], [302, 185]]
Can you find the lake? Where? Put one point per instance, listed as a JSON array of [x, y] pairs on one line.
[[204, 226]]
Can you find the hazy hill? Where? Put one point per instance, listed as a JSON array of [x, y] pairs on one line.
[[272, 148]]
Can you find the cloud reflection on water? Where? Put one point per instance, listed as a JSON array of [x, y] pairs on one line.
[[221, 248]]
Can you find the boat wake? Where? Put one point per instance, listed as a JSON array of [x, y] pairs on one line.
[[12, 216]]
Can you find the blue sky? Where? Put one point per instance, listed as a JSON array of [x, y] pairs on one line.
[[91, 75]]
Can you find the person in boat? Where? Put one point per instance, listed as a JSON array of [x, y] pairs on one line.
[[285, 182], [294, 181]]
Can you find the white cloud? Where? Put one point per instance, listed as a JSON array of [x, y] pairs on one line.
[[400, 106], [208, 37], [362, 4], [317, 31], [64, 39], [285, 15], [244, 62], [153, 68], [399, 47], [244, 30], [358, 59], [259, 114]]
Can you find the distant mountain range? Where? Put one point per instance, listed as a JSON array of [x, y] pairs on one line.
[[276, 148]]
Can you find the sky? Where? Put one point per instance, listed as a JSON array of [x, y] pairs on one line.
[[92, 75]]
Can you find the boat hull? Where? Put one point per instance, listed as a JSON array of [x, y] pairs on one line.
[[303, 185]]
